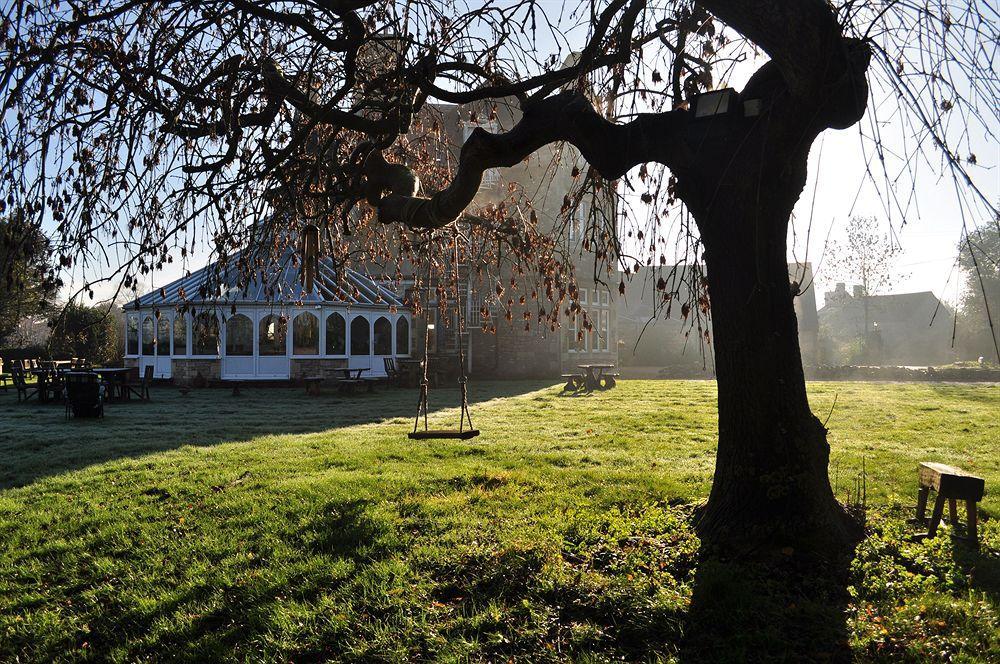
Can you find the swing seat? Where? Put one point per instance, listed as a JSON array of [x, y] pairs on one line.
[[450, 434]]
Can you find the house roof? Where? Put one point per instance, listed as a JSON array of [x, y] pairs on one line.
[[283, 285]]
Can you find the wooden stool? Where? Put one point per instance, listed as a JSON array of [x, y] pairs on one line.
[[952, 484]]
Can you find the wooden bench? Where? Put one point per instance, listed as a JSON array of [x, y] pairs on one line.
[[609, 380], [573, 382], [951, 484], [313, 384]]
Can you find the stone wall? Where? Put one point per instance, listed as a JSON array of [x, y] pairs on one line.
[[319, 367], [185, 371]]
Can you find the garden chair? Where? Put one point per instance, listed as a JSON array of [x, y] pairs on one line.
[[147, 379], [21, 385], [393, 373]]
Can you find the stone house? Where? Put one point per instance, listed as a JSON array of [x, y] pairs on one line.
[[903, 329]]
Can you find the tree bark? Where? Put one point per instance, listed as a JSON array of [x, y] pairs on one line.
[[771, 488]]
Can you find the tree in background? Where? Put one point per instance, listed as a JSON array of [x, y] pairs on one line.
[[865, 257], [92, 333], [28, 282], [979, 316], [154, 124]]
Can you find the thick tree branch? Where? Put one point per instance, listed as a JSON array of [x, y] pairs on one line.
[[611, 149]]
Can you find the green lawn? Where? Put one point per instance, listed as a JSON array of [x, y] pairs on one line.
[[277, 527]]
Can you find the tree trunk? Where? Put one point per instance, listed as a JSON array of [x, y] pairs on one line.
[[771, 488]]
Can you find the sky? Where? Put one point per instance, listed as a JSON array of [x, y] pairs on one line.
[[928, 238]]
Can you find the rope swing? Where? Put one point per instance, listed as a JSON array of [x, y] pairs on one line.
[[461, 433]]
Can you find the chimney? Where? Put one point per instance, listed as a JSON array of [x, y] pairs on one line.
[[859, 291]]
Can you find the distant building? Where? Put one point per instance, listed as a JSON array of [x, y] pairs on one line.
[[655, 336], [897, 329]]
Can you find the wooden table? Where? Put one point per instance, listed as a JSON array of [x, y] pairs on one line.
[[349, 379], [951, 484], [594, 373]]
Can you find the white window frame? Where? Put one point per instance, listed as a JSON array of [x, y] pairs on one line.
[[321, 336], [344, 316]]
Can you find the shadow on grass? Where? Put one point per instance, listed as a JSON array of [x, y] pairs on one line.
[[788, 611], [37, 441], [981, 567]]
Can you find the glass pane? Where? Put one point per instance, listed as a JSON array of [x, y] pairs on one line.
[[360, 336], [147, 335], [239, 336], [402, 337], [272, 336], [132, 334], [305, 335], [383, 336], [336, 335], [180, 334], [163, 336], [205, 336]]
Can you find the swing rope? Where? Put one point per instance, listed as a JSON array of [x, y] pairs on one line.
[[463, 379]]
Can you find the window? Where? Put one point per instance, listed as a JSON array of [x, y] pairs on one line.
[[572, 328], [132, 336], [601, 337], [147, 336], [583, 296], [305, 334], [205, 335], [180, 334], [383, 336], [336, 335], [402, 336], [360, 336], [239, 336], [271, 339], [163, 336]]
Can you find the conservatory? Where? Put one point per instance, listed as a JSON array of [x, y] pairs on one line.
[[267, 332]]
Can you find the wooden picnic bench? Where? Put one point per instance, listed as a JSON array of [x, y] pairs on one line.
[[951, 484], [574, 382]]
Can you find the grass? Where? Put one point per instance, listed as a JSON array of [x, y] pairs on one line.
[[276, 527]]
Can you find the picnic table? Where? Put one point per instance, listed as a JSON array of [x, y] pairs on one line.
[[350, 378], [594, 374]]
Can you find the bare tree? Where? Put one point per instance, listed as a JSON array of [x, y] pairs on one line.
[[141, 127], [865, 257]]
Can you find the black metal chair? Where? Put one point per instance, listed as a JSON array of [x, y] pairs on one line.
[[84, 396]]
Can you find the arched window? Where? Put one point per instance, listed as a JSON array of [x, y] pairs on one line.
[[205, 335], [132, 336], [383, 336], [305, 334], [180, 334], [272, 336], [336, 335], [361, 342], [402, 336], [147, 335], [239, 336], [163, 336]]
